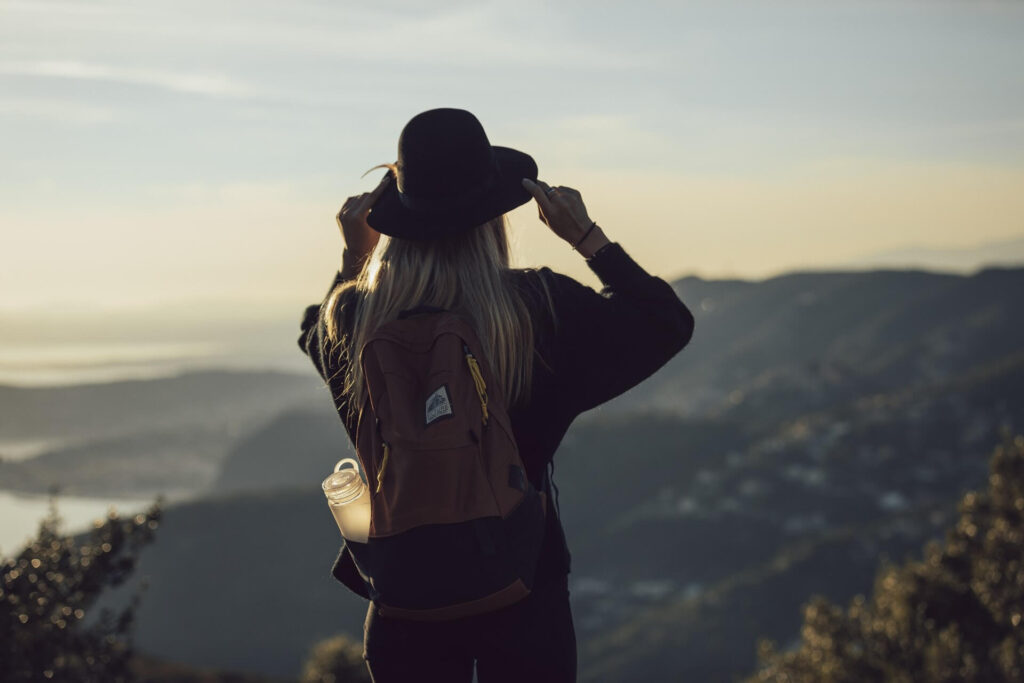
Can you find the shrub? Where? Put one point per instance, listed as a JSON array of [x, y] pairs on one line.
[[49, 587], [955, 615], [336, 660]]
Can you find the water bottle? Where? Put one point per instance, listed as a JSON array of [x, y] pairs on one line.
[[349, 500]]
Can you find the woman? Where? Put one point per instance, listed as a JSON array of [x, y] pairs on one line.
[[559, 347]]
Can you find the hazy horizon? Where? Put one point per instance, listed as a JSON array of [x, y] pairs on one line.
[[70, 345], [964, 261]]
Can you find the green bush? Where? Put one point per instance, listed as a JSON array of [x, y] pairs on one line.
[[49, 587], [955, 615]]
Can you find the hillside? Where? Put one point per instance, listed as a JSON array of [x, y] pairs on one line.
[[815, 422], [298, 447], [242, 583], [809, 340], [141, 437], [676, 525], [807, 510], [87, 410]]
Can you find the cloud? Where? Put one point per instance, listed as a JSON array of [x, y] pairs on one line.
[[212, 84], [56, 110], [67, 8]]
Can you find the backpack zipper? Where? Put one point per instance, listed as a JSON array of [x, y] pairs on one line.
[[383, 460], [383, 466], [478, 380]]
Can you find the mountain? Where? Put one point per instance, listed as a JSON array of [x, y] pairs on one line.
[[242, 582], [805, 341], [298, 447], [690, 538], [762, 352], [964, 259], [816, 423], [809, 509], [141, 437], [122, 407]]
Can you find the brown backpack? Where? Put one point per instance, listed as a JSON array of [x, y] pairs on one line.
[[455, 525]]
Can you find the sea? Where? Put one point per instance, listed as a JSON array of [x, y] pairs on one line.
[[21, 513], [93, 363]]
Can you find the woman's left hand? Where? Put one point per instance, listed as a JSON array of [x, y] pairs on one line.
[[360, 238]]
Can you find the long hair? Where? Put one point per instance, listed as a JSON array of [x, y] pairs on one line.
[[468, 273]]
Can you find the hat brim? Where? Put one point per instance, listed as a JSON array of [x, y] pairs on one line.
[[390, 216]]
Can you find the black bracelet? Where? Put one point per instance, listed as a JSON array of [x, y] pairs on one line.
[[593, 224]]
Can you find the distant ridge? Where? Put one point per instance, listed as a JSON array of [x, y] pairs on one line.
[[963, 261], [957, 259], [133, 437]]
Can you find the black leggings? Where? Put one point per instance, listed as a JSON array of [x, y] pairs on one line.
[[532, 640]]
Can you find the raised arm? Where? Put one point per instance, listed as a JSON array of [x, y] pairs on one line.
[[311, 330], [360, 240], [609, 341]]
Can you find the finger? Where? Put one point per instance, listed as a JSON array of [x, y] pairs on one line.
[[537, 189], [346, 206], [379, 190], [549, 191], [534, 186], [362, 204], [553, 192]]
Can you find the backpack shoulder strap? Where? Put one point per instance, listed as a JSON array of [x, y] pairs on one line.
[[422, 308], [345, 571], [547, 484]]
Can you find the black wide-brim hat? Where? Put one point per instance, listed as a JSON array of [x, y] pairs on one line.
[[450, 178]]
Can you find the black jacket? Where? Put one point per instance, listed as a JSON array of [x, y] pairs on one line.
[[599, 346]]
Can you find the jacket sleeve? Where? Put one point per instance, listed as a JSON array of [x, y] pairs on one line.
[[607, 342], [312, 331], [312, 334]]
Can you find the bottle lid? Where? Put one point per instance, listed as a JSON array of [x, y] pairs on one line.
[[343, 486]]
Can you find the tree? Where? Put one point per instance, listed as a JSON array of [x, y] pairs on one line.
[[955, 615], [336, 660], [50, 586]]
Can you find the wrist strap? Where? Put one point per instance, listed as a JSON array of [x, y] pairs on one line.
[[593, 224]]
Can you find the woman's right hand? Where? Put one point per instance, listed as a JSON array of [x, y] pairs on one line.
[[360, 238], [561, 208]]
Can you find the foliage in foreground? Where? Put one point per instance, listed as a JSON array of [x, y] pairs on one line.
[[336, 660], [146, 668], [955, 615], [49, 587]]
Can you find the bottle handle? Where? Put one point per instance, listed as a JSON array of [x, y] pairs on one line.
[[341, 463]]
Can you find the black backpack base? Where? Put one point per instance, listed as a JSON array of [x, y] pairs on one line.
[[436, 572]]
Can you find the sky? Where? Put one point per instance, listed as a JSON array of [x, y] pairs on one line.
[[195, 153]]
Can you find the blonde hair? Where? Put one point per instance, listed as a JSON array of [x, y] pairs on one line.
[[468, 273]]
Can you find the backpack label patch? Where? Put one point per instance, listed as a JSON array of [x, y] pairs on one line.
[[439, 405]]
